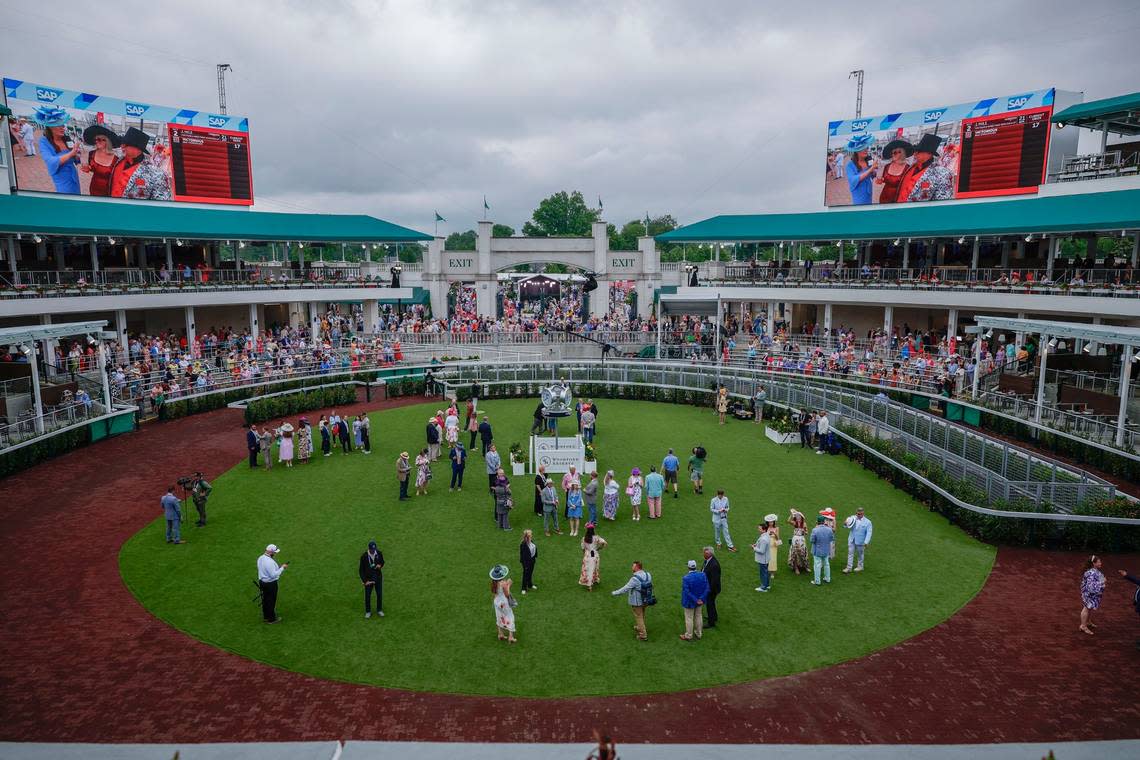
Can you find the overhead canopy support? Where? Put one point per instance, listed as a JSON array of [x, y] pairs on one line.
[[1119, 115]]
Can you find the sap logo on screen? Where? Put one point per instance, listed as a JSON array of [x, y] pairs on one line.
[[217, 121], [47, 94], [933, 116], [1017, 101], [860, 125], [134, 109]]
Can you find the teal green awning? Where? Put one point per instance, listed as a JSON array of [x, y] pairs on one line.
[[126, 219], [5, 110], [1122, 114], [1089, 212]]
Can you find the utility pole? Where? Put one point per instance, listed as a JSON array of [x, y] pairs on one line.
[[857, 74], [224, 67]]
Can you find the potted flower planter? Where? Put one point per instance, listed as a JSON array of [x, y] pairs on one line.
[[781, 438], [518, 468], [589, 465]]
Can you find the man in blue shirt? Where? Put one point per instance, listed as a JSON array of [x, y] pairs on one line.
[[669, 467], [821, 538], [694, 590], [172, 508], [857, 541]]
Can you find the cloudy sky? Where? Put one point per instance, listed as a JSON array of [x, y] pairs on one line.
[[397, 109]]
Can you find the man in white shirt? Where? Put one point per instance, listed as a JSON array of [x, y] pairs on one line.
[[268, 571], [719, 508], [823, 427]]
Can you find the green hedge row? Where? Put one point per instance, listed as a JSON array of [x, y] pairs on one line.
[[32, 454], [997, 530], [276, 407]]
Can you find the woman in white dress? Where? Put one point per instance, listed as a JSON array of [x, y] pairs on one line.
[[451, 427], [285, 447], [503, 603], [633, 489], [591, 558]]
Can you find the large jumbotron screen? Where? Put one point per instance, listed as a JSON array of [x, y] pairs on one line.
[[994, 146], [78, 143]]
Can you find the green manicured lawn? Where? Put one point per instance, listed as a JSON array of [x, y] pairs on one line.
[[439, 632]]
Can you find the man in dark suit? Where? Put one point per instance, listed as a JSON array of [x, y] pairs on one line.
[[458, 457], [253, 443], [372, 576], [712, 572], [485, 435]]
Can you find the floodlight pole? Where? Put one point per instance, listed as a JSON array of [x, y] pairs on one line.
[[857, 75], [222, 69]]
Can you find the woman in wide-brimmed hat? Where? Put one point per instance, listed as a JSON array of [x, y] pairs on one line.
[[60, 156], [895, 153], [860, 169], [101, 160], [285, 447], [503, 603], [798, 556]]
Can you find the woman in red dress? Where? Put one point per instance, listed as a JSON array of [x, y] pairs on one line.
[[896, 152], [100, 160]]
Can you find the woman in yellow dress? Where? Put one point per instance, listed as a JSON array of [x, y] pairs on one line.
[[774, 536]]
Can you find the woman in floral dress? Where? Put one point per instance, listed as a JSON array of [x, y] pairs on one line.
[[502, 603], [609, 496], [592, 546], [304, 440], [633, 489], [423, 472], [1092, 588], [798, 556]]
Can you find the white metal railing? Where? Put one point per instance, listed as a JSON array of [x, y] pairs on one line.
[[130, 281], [28, 426], [1072, 486]]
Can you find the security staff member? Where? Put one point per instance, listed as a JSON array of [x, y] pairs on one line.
[[200, 492], [268, 571]]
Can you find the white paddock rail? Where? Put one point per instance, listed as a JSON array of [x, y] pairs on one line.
[[701, 380]]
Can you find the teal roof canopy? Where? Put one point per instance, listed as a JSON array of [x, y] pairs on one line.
[[1089, 212], [127, 219], [1122, 114]]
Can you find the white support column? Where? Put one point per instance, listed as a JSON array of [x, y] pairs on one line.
[[1054, 241], [1125, 379], [50, 346], [191, 331], [888, 320], [952, 323], [371, 315], [1005, 245], [140, 256], [12, 257], [660, 320], [975, 253], [906, 255], [121, 329], [719, 322], [1093, 345], [93, 249], [102, 356], [314, 318], [772, 317], [37, 402], [1135, 251], [978, 341], [1020, 336], [827, 316], [254, 326], [1044, 352], [169, 258]]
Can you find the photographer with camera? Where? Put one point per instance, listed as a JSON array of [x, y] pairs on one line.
[[200, 490]]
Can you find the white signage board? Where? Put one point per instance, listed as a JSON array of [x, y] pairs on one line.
[[557, 454]]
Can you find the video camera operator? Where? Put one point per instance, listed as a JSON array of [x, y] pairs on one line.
[[200, 491]]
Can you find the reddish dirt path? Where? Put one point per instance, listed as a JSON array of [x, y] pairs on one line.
[[81, 660]]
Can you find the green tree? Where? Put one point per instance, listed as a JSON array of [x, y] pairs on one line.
[[502, 230], [626, 239], [460, 241], [562, 215]]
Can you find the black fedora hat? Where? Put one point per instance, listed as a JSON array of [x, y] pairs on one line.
[[928, 144], [136, 138], [98, 130], [890, 148]]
